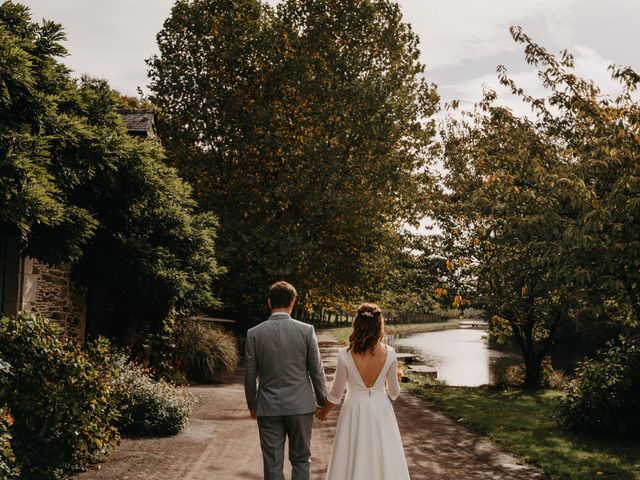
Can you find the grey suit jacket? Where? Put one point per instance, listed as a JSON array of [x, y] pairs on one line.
[[282, 355]]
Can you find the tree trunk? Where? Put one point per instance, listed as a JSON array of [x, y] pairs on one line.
[[633, 298], [533, 370]]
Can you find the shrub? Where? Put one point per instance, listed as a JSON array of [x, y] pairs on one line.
[[147, 406], [555, 379], [59, 396], [426, 380], [206, 351], [7, 458], [604, 397]]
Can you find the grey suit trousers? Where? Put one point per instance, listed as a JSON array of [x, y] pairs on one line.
[[273, 432]]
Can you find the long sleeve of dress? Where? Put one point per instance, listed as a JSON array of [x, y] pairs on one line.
[[393, 385], [339, 382]]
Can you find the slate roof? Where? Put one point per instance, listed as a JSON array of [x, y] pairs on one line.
[[139, 122]]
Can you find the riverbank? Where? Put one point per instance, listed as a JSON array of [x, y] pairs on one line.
[[523, 423], [342, 333]]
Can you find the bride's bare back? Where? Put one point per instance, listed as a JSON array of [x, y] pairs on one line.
[[370, 365]]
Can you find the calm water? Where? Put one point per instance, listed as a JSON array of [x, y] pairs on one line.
[[461, 356]]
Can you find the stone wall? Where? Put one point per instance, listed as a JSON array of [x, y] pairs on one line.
[[49, 291]]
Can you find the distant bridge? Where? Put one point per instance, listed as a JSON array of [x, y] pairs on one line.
[[471, 323]]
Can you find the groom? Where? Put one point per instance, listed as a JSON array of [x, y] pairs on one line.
[[283, 355]]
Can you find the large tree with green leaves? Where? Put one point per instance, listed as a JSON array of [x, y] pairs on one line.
[[76, 188], [502, 217], [305, 130], [538, 213]]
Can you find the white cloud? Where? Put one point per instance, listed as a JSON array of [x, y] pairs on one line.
[[589, 64], [454, 31], [459, 38], [109, 39], [593, 66]]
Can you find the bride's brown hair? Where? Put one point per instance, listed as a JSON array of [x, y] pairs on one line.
[[368, 329]]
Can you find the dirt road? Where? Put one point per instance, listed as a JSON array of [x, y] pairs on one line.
[[221, 443]]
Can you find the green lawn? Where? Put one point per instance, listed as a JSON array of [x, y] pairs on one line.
[[523, 423], [342, 333]]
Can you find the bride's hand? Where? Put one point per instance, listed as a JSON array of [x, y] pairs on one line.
[[400, 373]]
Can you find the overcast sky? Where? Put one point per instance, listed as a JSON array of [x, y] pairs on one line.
[[462, 41]]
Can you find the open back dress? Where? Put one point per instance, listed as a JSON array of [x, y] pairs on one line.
[[367, 444]]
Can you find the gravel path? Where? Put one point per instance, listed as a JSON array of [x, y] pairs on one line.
[[221, 443]]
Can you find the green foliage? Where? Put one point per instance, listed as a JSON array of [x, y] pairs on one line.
[[59, 395], [598, 138], [161, 253], [160, 351], [148, 407], [77, 188], [36, 127], [413, 279], [205, 351], [532, 209], [604, 396], [303, 128], [7, 457], [504, 231]]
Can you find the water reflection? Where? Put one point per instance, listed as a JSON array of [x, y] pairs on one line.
[[461, 356]]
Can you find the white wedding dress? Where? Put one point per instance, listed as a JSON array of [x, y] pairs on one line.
[[367, 444]]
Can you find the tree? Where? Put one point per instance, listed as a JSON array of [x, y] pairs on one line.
[[600, 136], [78, 189], [35, 93], [305, 130], [522, 204], [414, 276], [503, 230]]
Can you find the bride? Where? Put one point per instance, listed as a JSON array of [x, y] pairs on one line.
[[367, 445]]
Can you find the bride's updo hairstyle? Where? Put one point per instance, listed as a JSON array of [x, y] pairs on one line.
[[368, 329]]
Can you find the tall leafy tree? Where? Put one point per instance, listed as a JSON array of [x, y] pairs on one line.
[[600, 136], [305, 130], [35, 97], [501, 213], [78, 189], [532, 208]]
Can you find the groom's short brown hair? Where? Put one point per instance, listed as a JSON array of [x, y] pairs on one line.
[[281, 294]]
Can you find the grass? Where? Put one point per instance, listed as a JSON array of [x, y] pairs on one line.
[[523, 423], [342, 333]]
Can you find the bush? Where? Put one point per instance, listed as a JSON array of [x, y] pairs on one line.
[[7, 458], [206, 352], [604, 397], [147, 406], [59, 396], [554, 379]]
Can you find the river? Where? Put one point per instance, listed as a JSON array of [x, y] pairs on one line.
[[461, 356]]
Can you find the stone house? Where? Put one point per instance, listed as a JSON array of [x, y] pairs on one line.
[[27, 284]]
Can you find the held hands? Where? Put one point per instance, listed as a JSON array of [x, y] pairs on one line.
[[322, 414]]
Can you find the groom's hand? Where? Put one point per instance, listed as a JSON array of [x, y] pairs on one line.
[[253, 414], [321, 414]]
